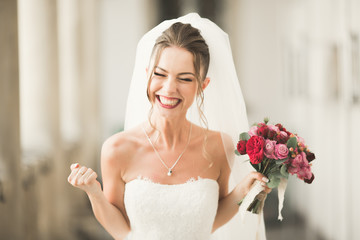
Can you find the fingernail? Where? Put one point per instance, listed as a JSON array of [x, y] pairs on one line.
[[263, 184], [265, 179]]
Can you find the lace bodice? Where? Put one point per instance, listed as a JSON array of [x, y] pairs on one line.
[[171, 212]]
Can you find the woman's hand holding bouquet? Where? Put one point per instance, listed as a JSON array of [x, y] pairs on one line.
[[275, 152]]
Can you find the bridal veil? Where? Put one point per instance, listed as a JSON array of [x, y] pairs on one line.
[[224, 108]]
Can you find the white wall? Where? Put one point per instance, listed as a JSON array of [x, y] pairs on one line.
[[291, 57], [122, 24]]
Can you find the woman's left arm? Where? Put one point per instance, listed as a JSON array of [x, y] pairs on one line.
[[228, 203]]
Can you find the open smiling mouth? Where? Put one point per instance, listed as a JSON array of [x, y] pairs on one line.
[[167, 102]]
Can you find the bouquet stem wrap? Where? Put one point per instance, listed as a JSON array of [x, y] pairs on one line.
[[281, 194], [254, 199]]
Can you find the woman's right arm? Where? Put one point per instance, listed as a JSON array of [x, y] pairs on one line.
[[107, 205]]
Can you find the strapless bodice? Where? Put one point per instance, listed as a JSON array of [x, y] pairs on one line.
[[171, 212]]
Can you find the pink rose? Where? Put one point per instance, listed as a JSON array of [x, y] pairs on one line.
[[273, 128], [253, 131], [304, 172], [281, 151], [300, 166], [300, 140], [270, 149]]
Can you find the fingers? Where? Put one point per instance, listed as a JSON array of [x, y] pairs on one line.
[[74, 172], [92, 177], [81, 175], [81, 172], [264, 180], [73, 166], [259, 176], [87, 177]]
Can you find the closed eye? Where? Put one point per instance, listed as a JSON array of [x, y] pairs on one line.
[[186, 79], [159, 74]]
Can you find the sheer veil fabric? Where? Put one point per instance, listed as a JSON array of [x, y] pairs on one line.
[[224, 108]]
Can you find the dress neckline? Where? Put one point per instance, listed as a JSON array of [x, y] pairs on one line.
[[191, 180]]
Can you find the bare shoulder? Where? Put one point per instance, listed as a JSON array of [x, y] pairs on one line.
[[220, 144], [118, 149], [220, 148]]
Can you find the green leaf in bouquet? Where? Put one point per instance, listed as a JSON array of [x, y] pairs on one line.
[[292, 143], [278, 162], [273, 167], [237, 152], [279, 174], [256, 166], [274, 181], [244, 136], [256, 207], [284, 171]]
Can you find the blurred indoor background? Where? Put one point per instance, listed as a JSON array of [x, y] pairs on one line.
[[65, 69]]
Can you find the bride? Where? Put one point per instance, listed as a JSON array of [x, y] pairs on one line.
[[171, 173]]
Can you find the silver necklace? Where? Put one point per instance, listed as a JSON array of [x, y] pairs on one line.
[[170, 170]]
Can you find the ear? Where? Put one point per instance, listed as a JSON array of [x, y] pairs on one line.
[[205, 83]]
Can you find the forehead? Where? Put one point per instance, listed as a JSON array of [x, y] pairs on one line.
[[176, 59]]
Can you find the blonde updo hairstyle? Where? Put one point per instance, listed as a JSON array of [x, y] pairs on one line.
[[189, 38]]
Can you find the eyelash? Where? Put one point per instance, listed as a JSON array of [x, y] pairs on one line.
[[158, 74], [183, 79], [186, 79]]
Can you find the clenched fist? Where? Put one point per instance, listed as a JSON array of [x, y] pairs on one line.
[[83, 178]]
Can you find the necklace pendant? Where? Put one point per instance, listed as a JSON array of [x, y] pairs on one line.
[[169, 172]]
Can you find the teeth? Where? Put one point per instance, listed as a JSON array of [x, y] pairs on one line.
[[167, 101]]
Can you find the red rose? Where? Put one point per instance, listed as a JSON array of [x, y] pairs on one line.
[[282, 137], [310, 156], [280, 126], [255, 149], [263, 131], [272, 134], [241, 147], [309, 181]]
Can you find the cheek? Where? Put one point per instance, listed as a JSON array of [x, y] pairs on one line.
[[191, 93], [151, 91]]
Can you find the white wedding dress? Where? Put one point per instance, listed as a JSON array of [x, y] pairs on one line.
[[171, 212], [187, 211]]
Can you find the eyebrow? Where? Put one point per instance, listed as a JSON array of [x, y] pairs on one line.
[[183, 73]]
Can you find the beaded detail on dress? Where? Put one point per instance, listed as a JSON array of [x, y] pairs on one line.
[[171, 212]]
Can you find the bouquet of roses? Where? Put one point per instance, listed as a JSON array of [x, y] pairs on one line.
[[274, 152]]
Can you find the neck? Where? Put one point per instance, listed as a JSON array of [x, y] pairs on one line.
[[169, 133]]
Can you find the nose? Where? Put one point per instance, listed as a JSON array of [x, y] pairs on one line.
[[170, 85]]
